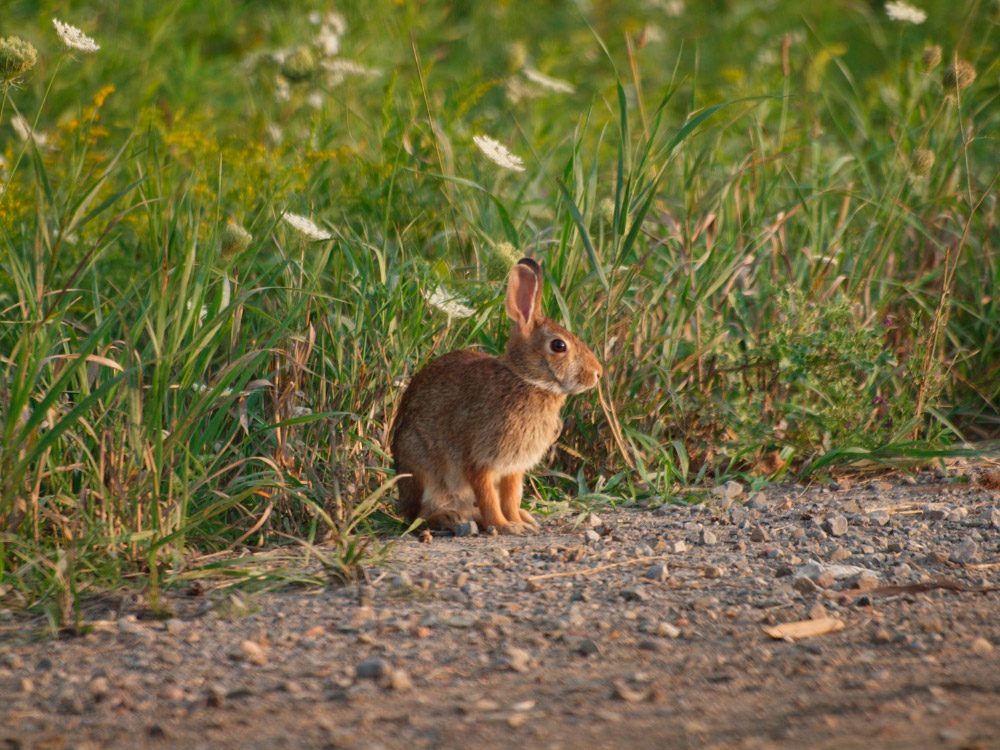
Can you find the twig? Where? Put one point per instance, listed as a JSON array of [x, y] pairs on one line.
[[598, 569]]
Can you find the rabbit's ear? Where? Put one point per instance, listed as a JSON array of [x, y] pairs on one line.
[[524, 294]]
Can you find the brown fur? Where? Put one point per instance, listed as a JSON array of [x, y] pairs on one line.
[[469, 425]]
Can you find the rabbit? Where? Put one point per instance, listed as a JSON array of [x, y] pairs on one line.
[[470, 425]]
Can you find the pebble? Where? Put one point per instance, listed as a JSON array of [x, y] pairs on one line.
[[879, 517], [253, 652], [713, 571], [372, 668], [590, 536], [758, 501], [467, 528], [707, 537], [964, 552], [517, 659], [592, 520], [635, 594], [667, 630], [991, 516], [982, 647], [658, 572], [835, 524], [587, 647], [758, 534], [679, 547], [729, 491], [737, 516], [400, 680]]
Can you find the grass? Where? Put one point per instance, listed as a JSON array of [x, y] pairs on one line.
[[733, 205]]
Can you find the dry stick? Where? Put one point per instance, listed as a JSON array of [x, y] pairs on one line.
[[598, 569]]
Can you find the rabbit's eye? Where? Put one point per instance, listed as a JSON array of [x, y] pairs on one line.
[[557, 345]]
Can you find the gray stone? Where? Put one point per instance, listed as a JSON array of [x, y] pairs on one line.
[[835, 524], [758, 534], [707, 537], [737, 516], [964, 552], [587, 647], [635, 594], [590, 536], [879, 517], [467, 528], [372, 668], [658, 572], [991, 516]]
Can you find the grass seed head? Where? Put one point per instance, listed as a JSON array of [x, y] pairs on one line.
[[234, 239], [931, 57], [958, 75], [922, 162], [17, 57]]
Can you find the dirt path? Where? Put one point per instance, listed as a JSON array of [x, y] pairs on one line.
[[640, 629]]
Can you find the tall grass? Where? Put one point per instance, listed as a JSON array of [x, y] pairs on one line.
[[727, 207]]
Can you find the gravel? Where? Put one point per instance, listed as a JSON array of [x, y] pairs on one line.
[[643, 628]]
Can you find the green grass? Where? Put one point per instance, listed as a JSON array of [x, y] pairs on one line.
[[726, 206]]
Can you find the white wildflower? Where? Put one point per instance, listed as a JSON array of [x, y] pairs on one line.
[[282, 89], [328, 42], [73, 38], [274, 132], [306, 227], [315, 17], [674, 8], [340, 69], [330, 33], [449, 304], [497, 153], [548, 82], [315, 100], [25, 131], [336, 22], [901, 11]]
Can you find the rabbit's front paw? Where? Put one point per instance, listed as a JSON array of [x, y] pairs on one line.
[[518, 529], [528, 519]]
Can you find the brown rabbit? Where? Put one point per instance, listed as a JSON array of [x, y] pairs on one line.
[[470, 425]]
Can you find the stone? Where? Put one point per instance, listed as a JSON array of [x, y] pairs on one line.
[[667, 630], [467, 528], [737, 516], [758, 534], [591, 537], [865, 581], [835, 524], [804, 585], [587, 647], [982, 647], [713, 571], [991, 517], [758, 501], [635, 594], [707, 538], [400, 680], [729, 491], [658, 572], [253, 652], [964, 552], [839, 554], [372, 668], [517, 659], [879, 517], [679, 547]]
